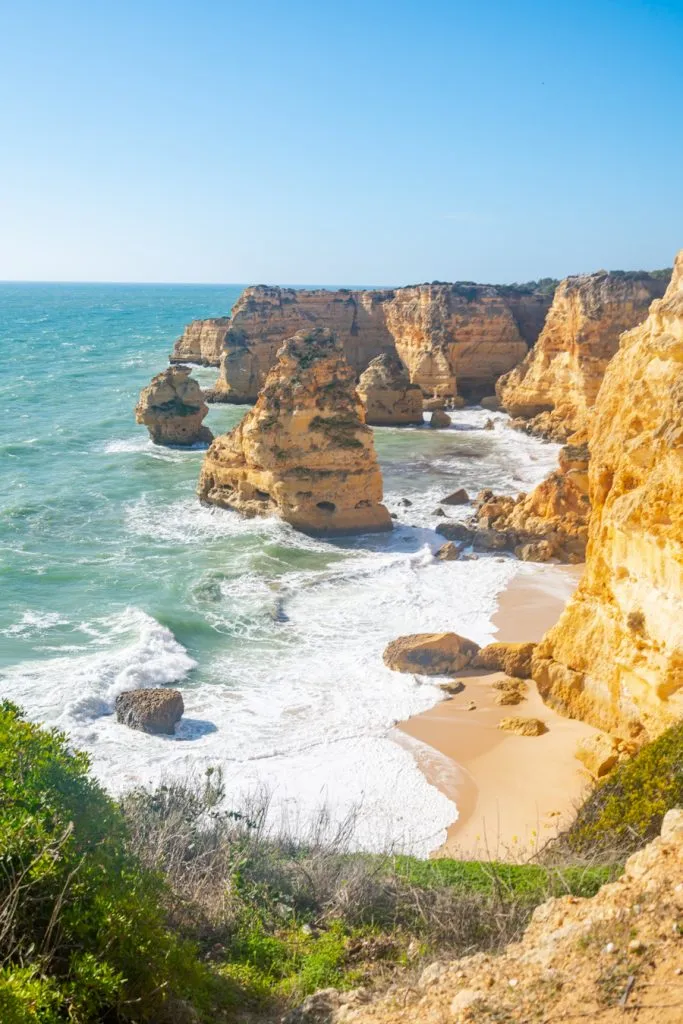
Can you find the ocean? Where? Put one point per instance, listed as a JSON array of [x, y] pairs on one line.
[[115, 577]]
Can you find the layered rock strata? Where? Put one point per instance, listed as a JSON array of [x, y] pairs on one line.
[[172, 407], [202, 342], [448, 336], [557, 383], [303, 452], [615, 657], [387, 394]]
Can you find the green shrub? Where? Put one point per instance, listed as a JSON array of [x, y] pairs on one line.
[[625, 812], [82, 928]]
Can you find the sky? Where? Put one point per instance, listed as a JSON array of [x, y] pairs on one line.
[[364, 143]]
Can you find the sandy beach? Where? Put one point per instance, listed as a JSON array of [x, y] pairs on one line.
[[512, 792]]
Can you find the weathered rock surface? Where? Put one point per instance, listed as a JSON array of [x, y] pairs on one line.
[[303, 452], [557, 383], [449, 552], [439, 420], [448, 336], [521, 726], [172, 408], [154, 711], [202, 342], [606, 959], [430, 654], [387, 394], [615, 657], [512, 658]]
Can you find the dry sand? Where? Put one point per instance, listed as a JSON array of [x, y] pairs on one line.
[[512, 792]]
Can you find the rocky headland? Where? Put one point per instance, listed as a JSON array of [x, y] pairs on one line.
[[452, 338], [172, 407], [201, 342], [556, 384], [304, 451], [387, 394], [615, 658]]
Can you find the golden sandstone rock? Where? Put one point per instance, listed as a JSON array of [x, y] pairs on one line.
[[430, 654], [512, 658], [172, 408], [557, 383], [303, 452], [615, 657], [387, 394], [446, 335], [523, 726]]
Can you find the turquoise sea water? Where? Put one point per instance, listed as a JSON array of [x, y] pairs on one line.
[[113, 576]]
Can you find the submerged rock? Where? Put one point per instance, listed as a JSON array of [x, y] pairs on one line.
[[387, 394], [154, 711], [430, 654], [172, 408], [303, 452]]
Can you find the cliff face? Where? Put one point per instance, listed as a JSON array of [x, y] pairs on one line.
[[387, 394], [303, 452], [172, 408], [615, 658], [449, 337], [558, 381], [201, 342]]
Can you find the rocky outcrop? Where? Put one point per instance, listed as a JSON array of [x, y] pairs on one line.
[[303, 452], [155, 711], [450, 337], [202, 342], [549, 522], [615, 657], [512, 658], [613, 957], [172, 408], [387, 394], [430, 654], [557, 383], [521, 726]]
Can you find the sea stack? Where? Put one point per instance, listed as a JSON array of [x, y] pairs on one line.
[[615, 657], [304, 451], [387, 394], [557, 383], [172, 407]]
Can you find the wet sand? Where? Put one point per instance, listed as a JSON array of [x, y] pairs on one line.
[[512, 792]]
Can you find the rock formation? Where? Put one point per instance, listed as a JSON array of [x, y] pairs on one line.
[[448, 336], [303, 452], [512, 658], [202, 342], [615, 658], [430, 654], [522, 726], [172, 408], [557, 383], [613, 957], [155, 711], [387, 394]]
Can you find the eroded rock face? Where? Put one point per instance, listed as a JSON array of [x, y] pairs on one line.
[[303, 452], [172, 408], [557, 383], [387, 394], [155, 711], [202, 342], [448, 336], [615, 657], [512, 658]]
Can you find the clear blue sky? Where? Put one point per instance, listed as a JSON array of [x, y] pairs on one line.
[[359, 142]]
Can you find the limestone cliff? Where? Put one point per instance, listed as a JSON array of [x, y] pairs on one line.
[[558, 381], [172, 408], [387, 394], [201, 342], [303, 452], [449, 337], [615, 658]]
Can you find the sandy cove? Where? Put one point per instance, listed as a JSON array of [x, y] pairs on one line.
[[512, 792]]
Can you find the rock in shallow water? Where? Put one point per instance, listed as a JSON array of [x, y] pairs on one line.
[[430, 654], [172, 408], [153, 711]]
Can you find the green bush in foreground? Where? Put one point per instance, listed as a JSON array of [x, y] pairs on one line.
[[82, 930], [626, 810]]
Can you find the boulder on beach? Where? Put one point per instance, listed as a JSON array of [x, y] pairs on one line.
[[172, 408], [439, 420], [523, 726], [514, 659], [154, 711], [430, 654], [449, 552], [459, 497]]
